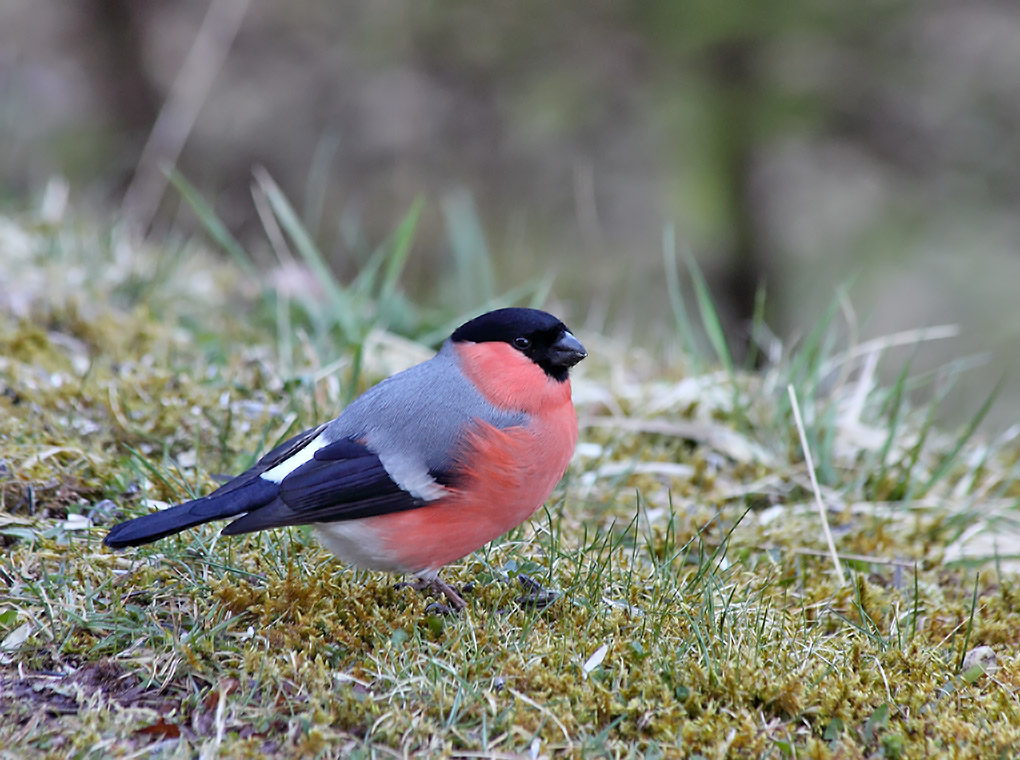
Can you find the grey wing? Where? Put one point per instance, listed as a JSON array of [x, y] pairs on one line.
[[415, 420]]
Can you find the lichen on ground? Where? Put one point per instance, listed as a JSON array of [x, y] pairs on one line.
[[697, 609]]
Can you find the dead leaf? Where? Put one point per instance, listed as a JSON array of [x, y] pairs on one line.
[[160, 729], [16, 638]]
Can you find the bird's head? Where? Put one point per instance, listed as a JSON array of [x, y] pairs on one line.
[[538, 335]]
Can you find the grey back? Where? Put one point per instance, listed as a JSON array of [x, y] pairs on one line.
[[419, 413]]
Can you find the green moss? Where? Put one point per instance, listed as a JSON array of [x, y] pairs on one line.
[[721, 637]]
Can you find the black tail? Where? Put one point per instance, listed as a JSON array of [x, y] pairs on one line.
[[226, 502]]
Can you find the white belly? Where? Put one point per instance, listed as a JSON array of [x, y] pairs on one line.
[[357, 542]]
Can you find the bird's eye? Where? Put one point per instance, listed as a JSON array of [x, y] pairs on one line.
[[522, 343]]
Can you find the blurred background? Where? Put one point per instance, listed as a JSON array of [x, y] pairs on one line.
[[799, 146]]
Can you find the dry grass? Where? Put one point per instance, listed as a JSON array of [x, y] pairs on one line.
[[698, 613]]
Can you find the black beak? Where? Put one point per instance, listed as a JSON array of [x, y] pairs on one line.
[[566, 351]]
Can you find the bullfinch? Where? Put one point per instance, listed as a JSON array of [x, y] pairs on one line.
[[421, 469]]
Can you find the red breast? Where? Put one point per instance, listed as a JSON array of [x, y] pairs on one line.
[[506, 475]]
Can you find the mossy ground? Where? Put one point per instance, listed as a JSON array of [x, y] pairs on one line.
[[698, 612]]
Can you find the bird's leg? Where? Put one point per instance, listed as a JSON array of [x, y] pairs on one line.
[[455, 599], [436, 584]]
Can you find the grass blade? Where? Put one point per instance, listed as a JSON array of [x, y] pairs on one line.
[[399, 250], [472, 259], [676, 299], [342, 311], [709, 314], [949, 458], [216, 229]]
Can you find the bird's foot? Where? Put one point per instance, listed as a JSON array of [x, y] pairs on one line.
[[537, 596], [439, 586]]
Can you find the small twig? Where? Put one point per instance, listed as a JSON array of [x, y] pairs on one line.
[[814, 485]]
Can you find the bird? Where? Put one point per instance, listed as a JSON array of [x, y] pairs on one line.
[[423, 468]]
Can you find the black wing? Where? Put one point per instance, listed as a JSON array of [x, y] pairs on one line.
[[343, 481], [245, 493]]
